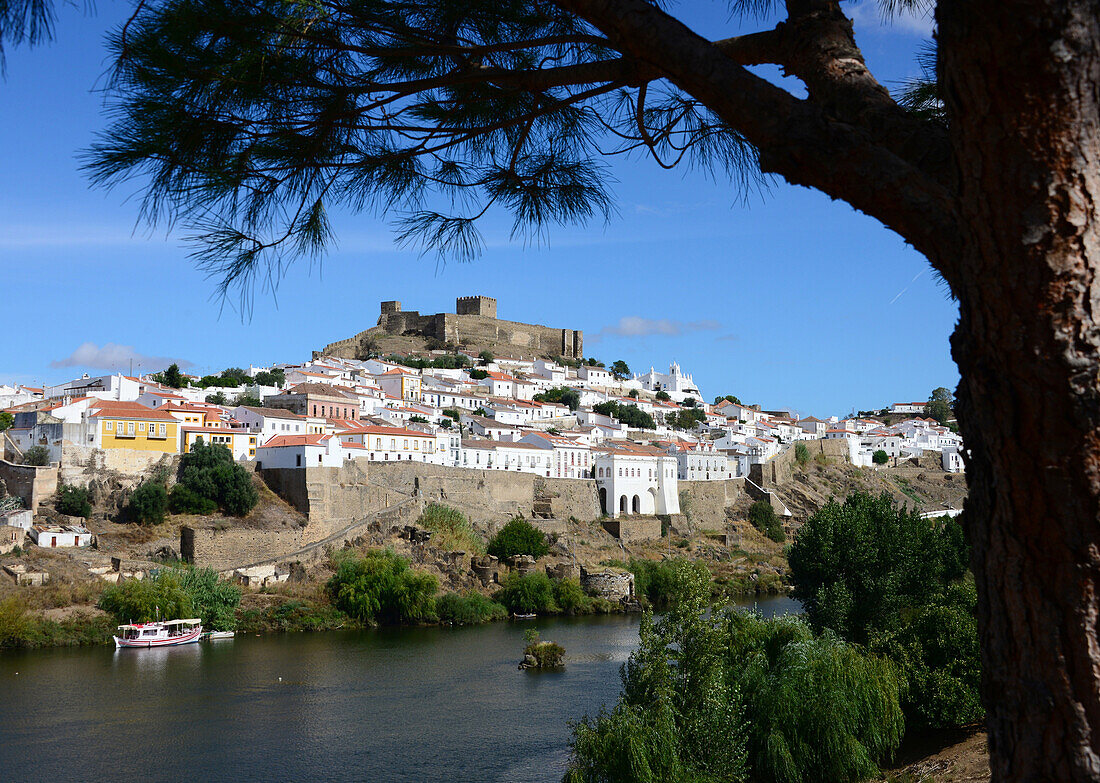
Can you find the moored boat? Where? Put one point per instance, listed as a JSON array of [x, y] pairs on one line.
[[214, 635], [167, 633]]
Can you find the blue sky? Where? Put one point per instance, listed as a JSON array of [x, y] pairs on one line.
[[789, 300]]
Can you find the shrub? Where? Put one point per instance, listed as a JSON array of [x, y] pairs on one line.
[[7, 420], [470, 608], [210, 472], [381, 588], [451, 530], [518, 537], [713, 694], [880, 575], [478, 374], [215, 600], [663, 396], [452, 413], [73, 501], [763, 518], [149, 503], [38, 456], [655, 582], [530, 594], [182, 500], [138, 600], [571, 598], [547, 655], [801, 454], [880, 457], [20, 628]]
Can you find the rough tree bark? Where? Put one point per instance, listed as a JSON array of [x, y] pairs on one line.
[[1022, 81]]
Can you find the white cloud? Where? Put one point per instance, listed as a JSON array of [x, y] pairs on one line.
[[113, 356], [636, 326], [867, 17]]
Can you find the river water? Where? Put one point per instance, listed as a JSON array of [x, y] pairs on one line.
[[400, 704]]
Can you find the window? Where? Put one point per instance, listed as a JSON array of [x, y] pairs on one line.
[[108, 426], [405, 444], [141, 426], [378, 443]]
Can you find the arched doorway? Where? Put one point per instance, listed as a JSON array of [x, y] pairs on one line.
[[637, 505], [653, 500], [622, 504], [603, 500]]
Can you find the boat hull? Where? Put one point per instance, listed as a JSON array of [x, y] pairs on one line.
[[188, 638]]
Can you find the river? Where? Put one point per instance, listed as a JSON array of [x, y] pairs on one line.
[[400, 704]]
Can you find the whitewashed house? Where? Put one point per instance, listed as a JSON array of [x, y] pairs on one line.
[[635, 479]]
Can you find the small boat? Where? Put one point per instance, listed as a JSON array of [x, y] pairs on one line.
[[214, 635], [524, 616], [160, 634]]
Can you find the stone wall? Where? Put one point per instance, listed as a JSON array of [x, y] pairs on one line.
[[704, 503], [32, 484], [80, 465], [628, 529], [780, 469], [610, 585], [229, 547]]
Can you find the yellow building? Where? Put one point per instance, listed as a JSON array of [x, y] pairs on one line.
[[128, 425], [241, 443]]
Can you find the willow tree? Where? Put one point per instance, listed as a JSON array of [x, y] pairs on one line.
[[246, 120]]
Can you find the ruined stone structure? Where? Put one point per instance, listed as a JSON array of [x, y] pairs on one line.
[[473, 323]]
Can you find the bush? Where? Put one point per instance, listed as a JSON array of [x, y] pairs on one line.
[[882, 576], [663, 396], [530, 594], [655, 582], [547, 655], [471, 608], [148, 504], [38, 456], [763, 518], [210, 472], [712, 694], [478, 374], [381, 588], [451, 530], [138, 600], [571, 598], [215, 600], [801, 454], [182, 500], [518, 537], [73, 501], [20, 628], [880, 457]]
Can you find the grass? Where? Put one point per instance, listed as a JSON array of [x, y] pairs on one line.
[[22, 628], [451, 530]]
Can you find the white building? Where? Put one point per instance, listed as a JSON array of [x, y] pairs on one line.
[[572, 458], [395, 444], [516, 457], [675, 383], [695, 462], [49, 536], [635, 479], [952, 460], [105, 387], [302, 451]]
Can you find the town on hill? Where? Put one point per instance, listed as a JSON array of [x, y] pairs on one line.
[[597, 440]]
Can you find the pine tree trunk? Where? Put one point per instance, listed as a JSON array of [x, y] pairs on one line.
[[1022, 83]]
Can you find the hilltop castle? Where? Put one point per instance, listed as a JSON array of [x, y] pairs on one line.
[[474, 323]]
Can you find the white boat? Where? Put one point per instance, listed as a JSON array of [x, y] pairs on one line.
[[213, 635], [161, 634], [531, 616]]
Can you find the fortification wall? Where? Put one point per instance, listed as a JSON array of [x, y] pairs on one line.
[[628, 529], [31, 483], [223, 548], [704, 503], [780, 469], [81, 465]]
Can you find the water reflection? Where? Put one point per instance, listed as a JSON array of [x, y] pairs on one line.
[[412, 704]]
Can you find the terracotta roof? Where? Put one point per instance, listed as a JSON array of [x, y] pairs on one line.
[[273, 413], [113, 409], [279, 441]]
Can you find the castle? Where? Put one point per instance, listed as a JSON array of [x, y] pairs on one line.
[[474, 324]]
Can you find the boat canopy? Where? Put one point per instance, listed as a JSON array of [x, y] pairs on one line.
[[139, 626], [192, 621]]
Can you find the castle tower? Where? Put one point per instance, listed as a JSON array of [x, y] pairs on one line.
[[476, 305]]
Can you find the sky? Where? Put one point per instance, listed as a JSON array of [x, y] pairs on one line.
[[784, 298]]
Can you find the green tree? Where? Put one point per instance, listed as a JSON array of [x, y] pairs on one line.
[[218, 398], [144, 600], [801, 454], [571, 398], [880, 457], [687, 418], [486, 356], [663, 396], [149, 503], [511, 104], [249, 400], [215, 600], [38, 456], [208, 471], [729, 398], [715, 695], [529, 594], [73, 501], [619, 370], [478, 374], [481, 412], [173, 377], [763, 518], [518, 537], [273, 377], [452, 413], [630, 415], [235, 376], [941, 406], [690, 402], [379, 587], [6, 420]]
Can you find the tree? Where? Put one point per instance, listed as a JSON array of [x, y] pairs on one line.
[[208, 471], [570, 398], [173, 377], [619, 371], [149, 503], [763, 518], [244, 120], [880, 457], [381, 588], [940, 405], [486, 356], [478, 374], [274, 377], [663, 396], [246, 399], [218, 398], [518, 537], [690, 402], [73, 501], [235, 376], [727, 398], [630, 415], [39, 456], [633, 393], [6, 420]]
